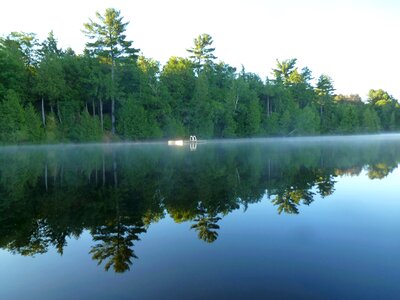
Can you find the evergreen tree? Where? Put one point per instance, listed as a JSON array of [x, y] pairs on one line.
[[50, 85], [109, 43], [324, 90], [284, 70], [202, 52]]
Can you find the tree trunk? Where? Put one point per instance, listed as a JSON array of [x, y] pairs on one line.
[[269, 169], [93, 108], [96, 176], [58, 112], [236, 101], [45, 178], [61, 174], [112, 97], [55, 175], [115, 171], [43, 114], [101, 116], [104, 171], [112, 115], [320, 112]]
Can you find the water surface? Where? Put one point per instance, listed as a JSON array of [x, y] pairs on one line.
[[265, 218]]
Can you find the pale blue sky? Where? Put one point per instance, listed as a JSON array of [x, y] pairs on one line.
[[354, 42]]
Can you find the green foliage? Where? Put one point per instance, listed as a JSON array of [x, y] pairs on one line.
[[284, 70], [34, 129], [79, 96], [386, 107], [285, 122], [379, 97], [12, 68], [307, 121], [174, 129], [178, 80], [88, 128], [271, 125], [12, 119], [202, 53], [133, 122], [108, 38], [324, 85], [201, 110], [50, 46], [249, 117], [371, 122], [50, 79], [107, 122], [248, 113], [151, 95], [350, 119], [109, 44], [51, 131]]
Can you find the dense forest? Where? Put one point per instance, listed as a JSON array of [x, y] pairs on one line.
[[52, 194], [111, 92]]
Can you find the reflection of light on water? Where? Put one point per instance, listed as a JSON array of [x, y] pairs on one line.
[[192, 143], [175, 143], [180, 143]]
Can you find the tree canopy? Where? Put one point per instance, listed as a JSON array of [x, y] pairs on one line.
[[110, 92]]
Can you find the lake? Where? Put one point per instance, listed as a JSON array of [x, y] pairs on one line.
[[295, 218]]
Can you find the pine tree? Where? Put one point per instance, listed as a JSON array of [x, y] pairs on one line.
[[109, 43]]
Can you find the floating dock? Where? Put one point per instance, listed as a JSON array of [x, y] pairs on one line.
[[192, 140], [176, 143]]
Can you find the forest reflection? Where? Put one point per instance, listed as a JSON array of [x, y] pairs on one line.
[[49, 194]]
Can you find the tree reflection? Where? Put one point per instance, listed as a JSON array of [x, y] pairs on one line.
[[288, 200], [379, 170], [115, 245], [51, 194], [206, 225], [325, 184]]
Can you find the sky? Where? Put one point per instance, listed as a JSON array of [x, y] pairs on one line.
[[356, 42]]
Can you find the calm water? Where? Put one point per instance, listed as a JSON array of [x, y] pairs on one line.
[[277, 218]]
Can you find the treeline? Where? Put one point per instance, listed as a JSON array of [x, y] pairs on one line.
[[116, 193], [48, 94]]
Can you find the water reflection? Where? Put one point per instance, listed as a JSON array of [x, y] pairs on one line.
[[49, 194], [206, 225]]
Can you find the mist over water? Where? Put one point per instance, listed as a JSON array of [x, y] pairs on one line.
[[266, 218]]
